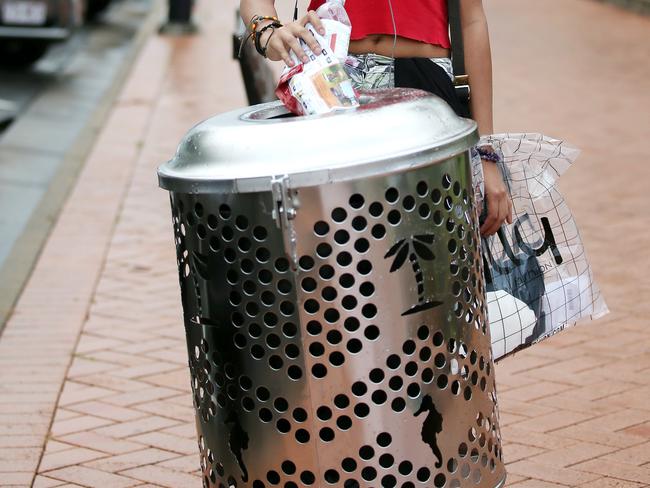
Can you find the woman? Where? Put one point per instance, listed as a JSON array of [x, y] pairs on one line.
[[421, 44]]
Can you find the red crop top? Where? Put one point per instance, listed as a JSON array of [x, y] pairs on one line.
[[422, 20]]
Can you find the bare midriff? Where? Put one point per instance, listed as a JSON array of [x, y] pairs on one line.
[[404, 47]]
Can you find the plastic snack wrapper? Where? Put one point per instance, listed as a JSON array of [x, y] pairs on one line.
[[321, 85], [538, 279]]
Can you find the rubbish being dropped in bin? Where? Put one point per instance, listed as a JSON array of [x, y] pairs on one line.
[[321, 85]]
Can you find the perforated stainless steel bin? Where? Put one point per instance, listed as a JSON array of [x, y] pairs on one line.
[[333, 297]]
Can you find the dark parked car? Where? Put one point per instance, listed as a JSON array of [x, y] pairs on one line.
[[28, 27]]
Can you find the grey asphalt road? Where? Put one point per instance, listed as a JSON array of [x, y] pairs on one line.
[[59, 103]]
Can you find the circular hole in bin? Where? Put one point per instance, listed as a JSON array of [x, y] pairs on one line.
[[425, 354], [369, 473], [265, 276], [366, 453], [367, 289], [341, 237], [257, 351], [215, 244], [326, 434], [384, 439], [378, 231], [411, 368], [265, 415], [446, 181], [354, 346], [455, 387], [351, 324], [281, 404], [422, 188], [462, 450], [306, 263], [437, 218], [440, 360], [288, 467], [283, 426], [396, 383], [294, 372], [388, 481], [359, 224], [248, 404], [332, 476], [299, 414], [369, 311], [423, 474], [270, 319], [452, 246], [408, 203], [273, 477], [413, 390], [452, 465], [311, 306], [391, 195], [359, 388], [314, 328], [376, 375], [324, 413], [334, 337], [439, 481], [250, 288], [456, 188], [344, 422], [394, 217], [331, 315], [361, 245], [346, 280], [267, 298], [319, 370], [225, 212], [442, 381], [308, 284], [424, 211], [292, 351], [326, 272], [276, 362], [227, 234], [398, 404], [307, 477], [329, 294], [260, 234], [321, 228], [451, 224], [230, 255], [349, 464], [408, 347], [379, 397], [281, 265], [287, 308], [386, 460], [467, 393], [339, 215], [364, 267], [262, 394], [316, 349], [201, 232], [336, 358], [262, 255], [361, 410], [371, 332], [393, 361], [302, 436], [241, 222], [356, 201], [376, 209], [323, 250], [284, 286], [349, 302], [245, 383], [344, 259], [405, 468]]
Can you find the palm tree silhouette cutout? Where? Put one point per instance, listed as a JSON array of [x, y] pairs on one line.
[[420, 249]]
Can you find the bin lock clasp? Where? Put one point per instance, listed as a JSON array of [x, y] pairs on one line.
[[284, 212]]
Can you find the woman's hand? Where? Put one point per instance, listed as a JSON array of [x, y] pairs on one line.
[[499, 205], [285, 39]]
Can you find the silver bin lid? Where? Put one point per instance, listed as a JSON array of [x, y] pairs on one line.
[[247, 149]]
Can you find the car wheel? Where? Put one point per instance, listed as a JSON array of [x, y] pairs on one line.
[[20, 52]]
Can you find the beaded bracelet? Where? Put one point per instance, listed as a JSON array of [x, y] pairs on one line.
[[488, 153], [256, 19]]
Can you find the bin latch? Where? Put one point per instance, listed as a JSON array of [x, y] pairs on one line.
[[285, 211]]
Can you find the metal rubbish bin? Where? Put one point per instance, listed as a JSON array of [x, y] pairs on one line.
[[333, 296]]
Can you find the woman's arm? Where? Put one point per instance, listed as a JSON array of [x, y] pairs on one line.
[[478, 62], [284, 39]]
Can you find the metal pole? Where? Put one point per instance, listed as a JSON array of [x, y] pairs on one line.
[[179, 20]]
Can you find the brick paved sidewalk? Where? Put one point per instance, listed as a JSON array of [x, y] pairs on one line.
[[94, 389]]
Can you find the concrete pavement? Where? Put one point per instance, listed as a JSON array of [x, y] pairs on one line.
[[94, 389]]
